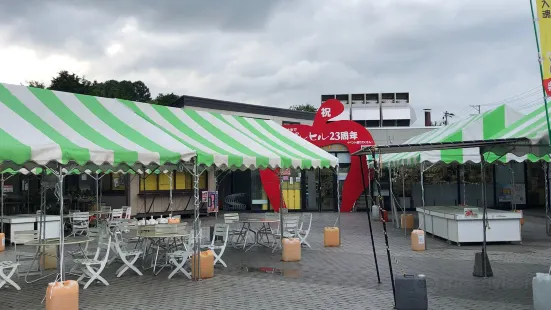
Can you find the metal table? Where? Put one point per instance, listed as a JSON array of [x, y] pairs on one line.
[[264, 229], [41, 244]]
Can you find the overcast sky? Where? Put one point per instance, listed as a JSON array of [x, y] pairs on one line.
[[447, 53]]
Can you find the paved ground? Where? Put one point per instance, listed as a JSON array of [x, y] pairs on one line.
[[327, 278]]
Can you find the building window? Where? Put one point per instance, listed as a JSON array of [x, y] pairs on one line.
[[113, 182], [181, 181]]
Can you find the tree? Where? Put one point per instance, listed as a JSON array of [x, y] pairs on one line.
[[165, 99], [304, 107], [36, 84], [72, 83]]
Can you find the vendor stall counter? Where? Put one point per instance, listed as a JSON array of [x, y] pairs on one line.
[[463, 224], [21, 222]]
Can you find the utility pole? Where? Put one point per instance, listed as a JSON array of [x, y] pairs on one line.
[[445, 118], [476, 107]]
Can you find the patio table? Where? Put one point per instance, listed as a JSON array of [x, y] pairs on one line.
[[162, 241], [41, 244], [264, 228]]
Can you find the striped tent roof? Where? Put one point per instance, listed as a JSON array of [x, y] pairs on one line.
[[478, 127], [39, 127], [234, 141], [533, 127]]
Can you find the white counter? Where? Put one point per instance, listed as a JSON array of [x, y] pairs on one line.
[[22, 222], [449, 222]]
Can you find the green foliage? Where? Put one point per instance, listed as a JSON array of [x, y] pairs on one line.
[[135, 91], [36, 84], [304, 107], [165, 99]]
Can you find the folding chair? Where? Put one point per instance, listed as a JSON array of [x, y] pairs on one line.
[[11, 267], [220, 230], [86, 252], [127, 212], [290, 230], [128, 257], [116, 214], [232, 220], [303, 232], [181, 257], [22, 237], [92, 267], [80, 223]]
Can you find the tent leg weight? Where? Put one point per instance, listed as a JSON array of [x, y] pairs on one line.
[[479, 266]]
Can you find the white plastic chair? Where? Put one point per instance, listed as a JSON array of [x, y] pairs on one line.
[[105, 212], [116, 214], [127, 212], [11, 268], [290, 229], [86, 252], [80, 223], [22, 237], [303, 230], [180, 258], [232, 220], [93, 267], [220, 230], [128, 257]]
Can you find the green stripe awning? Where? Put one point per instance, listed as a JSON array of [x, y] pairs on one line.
[[39, 127]]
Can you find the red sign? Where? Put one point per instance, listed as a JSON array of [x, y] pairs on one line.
[[323, 133]]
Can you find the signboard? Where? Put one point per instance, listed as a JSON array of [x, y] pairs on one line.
[[204, 196], [331, 135], [8, 188], [516, 194], [212, 203]]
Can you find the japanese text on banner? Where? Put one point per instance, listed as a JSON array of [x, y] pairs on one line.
[[544, 25]]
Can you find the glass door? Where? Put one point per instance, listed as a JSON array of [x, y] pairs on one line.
[[327, 190]]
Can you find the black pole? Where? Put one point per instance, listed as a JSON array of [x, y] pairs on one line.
[[369, 218], [379, 203]]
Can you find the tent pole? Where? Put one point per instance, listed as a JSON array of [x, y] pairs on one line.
[[338, 205], [404, 199], [546, 173], [97, 191], [170, 191], [462, 167], [379, 203], [2, 202], [423, 203], [392, 198], [362, 159], [61, 237], [196, 223], [280, 207], [483, 176], [513, 191]]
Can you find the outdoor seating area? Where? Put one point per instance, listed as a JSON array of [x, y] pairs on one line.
[[138, 249]]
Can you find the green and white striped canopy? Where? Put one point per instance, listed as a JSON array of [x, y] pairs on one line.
[[234, 141], [478, 127], [39, 127], [533, 127]]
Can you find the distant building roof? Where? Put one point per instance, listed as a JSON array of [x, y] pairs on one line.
[[222, 105]]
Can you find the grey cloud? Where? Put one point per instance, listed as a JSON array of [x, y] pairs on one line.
[[447, 54]]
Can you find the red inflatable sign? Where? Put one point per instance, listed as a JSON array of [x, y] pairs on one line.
[[323, 133]]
